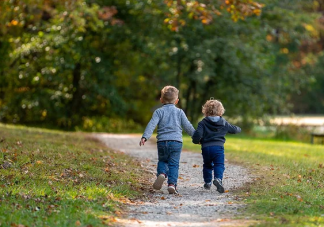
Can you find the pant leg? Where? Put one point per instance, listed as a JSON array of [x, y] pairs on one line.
[[163, 154], [218, 161], [173, 161], [208, 165]]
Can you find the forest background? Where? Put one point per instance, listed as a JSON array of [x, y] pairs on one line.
[[99, 65]]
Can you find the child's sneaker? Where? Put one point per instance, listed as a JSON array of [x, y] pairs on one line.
[[172, 189], [159, 182], [207, 185], [218, 183]]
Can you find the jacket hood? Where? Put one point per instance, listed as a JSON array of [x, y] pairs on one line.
[[214, 121]]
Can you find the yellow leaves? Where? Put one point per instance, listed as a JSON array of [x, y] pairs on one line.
[[313, 31], [257, 12], [204, 21], [284, 50], [309, 27], [44, 113], [242, 9], [206, 12], [14, 23]]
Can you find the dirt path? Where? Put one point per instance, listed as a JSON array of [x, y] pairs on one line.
[[194, 206]]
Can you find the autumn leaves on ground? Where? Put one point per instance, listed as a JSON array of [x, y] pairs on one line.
[[52, 178]]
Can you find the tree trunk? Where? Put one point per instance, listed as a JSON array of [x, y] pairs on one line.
[[76, 99]]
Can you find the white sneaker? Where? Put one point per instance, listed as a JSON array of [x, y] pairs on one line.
[[172, 189], [159, 182]]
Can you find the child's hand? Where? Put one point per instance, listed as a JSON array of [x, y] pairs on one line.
[[142, 142]]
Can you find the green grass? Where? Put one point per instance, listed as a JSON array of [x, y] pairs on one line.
[[288, 188], [52, 178]]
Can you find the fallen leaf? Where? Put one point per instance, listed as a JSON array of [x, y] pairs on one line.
[[162, 198], [78, 223]]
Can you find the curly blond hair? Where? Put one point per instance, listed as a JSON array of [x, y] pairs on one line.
[[213, 107], [169, 94]]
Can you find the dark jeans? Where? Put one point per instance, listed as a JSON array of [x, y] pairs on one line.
[[169, 157], [213, 160]]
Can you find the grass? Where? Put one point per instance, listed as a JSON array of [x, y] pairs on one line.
[[288, 189], [52, 178]]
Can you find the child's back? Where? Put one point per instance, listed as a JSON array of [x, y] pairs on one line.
[[210, 134], [170, 121], [211, 131]]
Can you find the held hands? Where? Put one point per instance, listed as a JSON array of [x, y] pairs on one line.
[[142, 142]]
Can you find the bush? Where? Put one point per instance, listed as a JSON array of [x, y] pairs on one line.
[[106, 124], [292, 132]]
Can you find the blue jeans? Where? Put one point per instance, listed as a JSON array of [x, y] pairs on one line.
[[169, 157], [214, 158]]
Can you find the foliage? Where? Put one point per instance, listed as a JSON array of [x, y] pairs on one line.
[[64, 62], [50, 178], [287, 188], [105, 124]]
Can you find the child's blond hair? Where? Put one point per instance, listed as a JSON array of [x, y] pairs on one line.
[[169, 94], [213, 107]]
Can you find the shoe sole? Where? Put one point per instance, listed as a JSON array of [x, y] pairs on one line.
[[172, 190], [219, 187], [159, 182]]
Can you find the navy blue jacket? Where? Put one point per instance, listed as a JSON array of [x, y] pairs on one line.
[[212, 133]]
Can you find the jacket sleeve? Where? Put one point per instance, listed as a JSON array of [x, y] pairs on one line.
[[151, 125], [185, 123], [198, 134], [232, 129]]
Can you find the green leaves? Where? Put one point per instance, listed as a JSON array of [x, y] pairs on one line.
[[84, 60]]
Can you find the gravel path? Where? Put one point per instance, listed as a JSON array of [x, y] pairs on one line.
[[194, 206]]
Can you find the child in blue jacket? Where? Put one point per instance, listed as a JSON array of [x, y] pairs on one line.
[[210, 133]]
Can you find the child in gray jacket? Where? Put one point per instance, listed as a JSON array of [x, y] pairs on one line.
[[170, 121]]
